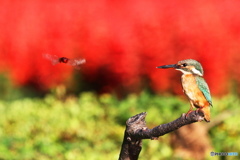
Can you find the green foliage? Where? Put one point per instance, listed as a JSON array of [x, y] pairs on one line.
[[92, 127]]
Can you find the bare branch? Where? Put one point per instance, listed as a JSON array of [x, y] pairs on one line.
[[136, 130]]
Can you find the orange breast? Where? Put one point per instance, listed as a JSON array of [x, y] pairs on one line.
[[190, 88]]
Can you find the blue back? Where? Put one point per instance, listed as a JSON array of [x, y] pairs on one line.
[[204, 88]]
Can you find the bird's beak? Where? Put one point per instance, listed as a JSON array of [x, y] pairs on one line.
[[168, 66]]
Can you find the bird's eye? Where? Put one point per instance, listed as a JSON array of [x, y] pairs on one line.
[[184, 64]]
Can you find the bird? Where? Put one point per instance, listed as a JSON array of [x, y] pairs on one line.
[[194, 86]]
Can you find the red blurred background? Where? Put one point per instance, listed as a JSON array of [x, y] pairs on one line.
[[122, 41]]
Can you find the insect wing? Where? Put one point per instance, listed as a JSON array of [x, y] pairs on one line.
[[53, 58], [76, 62]]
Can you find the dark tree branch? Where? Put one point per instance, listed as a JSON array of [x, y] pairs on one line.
[[136, 130]]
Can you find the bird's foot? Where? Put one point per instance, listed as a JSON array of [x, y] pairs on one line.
[[186, 116], [199, 111], [203, 113]]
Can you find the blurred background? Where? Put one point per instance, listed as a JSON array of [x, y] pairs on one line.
[[55, 111]]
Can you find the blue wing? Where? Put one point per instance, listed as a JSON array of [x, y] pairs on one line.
[[204, 88]]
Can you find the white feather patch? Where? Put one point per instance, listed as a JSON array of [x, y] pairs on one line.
[[184, 72], [194, 70]]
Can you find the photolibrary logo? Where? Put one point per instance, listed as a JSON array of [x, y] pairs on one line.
[[223, 153]]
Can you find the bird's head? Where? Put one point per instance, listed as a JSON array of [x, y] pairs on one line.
[[188, 66]]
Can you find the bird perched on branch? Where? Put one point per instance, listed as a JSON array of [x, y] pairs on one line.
[[194, 86]]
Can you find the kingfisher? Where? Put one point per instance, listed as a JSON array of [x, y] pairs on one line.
[[194, 86]]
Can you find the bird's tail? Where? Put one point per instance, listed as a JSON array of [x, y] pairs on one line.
[[206, 112]]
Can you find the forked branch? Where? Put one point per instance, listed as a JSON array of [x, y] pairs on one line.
[[136, 130]]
